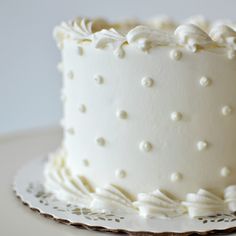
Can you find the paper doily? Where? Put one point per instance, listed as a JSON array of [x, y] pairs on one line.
[[28, 186]]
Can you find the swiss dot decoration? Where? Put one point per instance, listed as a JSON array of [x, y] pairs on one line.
[[176, 116], [226, 110], [60, 67], [175, 54], [80, 51], [71, 131], [100, 141], [225, 172], [175, 177], [202, 145], [145, 146], [98, 79], [86, 162], [60, 45], [121, 114], [205, 81], [147, 82], [82, 108], [120, 174], [70, 74], [63, 98]]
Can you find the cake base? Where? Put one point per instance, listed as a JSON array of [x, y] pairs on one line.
[[28, 186]]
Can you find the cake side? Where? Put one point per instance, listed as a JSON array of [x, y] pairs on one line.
[[157, 118]]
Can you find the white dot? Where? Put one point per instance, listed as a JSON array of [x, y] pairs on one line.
[[98, 79], [225, 172], [63, 98], [120, 173], [175, 54], [175, 177], [176, 116], [80, 51], [147, 82], [60, 67], [70, 75], [204, 81], [145, 146], [71, 131], [231, 54], [226, 110], [60, 45], [86, 162], [82, 108], [121, 114], [202, 145], [100, 141]]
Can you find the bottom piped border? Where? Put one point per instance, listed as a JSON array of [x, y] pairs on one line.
[[70, 188], [28, 187], [121, 231]]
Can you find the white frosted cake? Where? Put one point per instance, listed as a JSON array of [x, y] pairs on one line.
[[149, 117]]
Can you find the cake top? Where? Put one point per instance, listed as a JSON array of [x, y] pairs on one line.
[[194, 34]]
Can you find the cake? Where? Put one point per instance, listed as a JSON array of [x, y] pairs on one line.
[[149, 117]]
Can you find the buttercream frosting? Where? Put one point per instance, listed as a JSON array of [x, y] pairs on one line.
[[195, 34], [204, 203], [110, 198], [230, 197], [192, 37], [147, 106], [224, 35], [60, 180], [75, 190], [157, 204]]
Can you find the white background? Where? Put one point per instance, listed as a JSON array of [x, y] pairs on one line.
[[29, 81]]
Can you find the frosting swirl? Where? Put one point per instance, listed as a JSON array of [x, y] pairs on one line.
[[157, 204], [192, 37], [146, 38], [230, 197], [224, 35], [105, 38], [67, 187], [204, 203], [111, 198], [153, 33]]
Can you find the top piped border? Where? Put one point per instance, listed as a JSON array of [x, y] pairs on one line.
[[195, 35]]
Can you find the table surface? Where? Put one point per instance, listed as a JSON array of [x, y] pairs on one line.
[[15, 218]]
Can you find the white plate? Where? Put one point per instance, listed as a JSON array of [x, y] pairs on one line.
[[29, 188]]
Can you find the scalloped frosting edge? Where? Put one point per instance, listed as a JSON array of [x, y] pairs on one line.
[[76, 190], [194, 35]]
